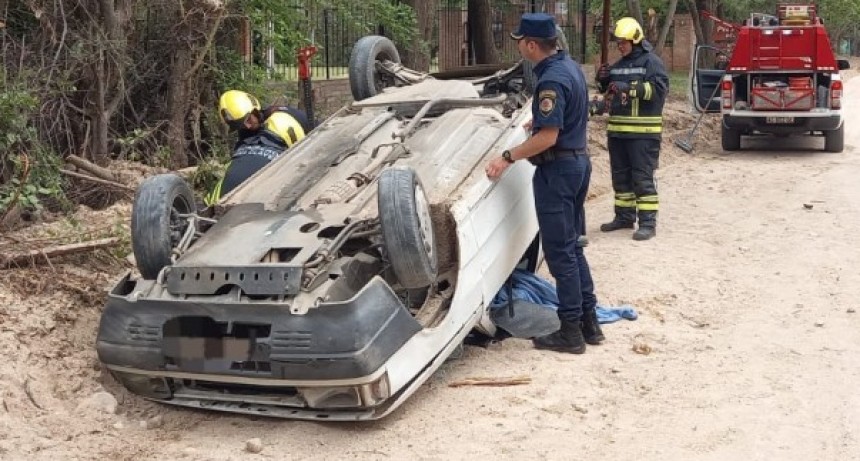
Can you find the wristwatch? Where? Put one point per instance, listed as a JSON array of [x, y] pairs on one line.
[[506, 154]]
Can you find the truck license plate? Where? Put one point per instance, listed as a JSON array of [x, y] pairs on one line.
[[779, 120]]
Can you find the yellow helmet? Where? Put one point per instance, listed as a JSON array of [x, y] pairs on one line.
[[235, 106], [629, 29], [286, 127]]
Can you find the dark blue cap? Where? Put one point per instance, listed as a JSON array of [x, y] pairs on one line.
[[537, 25]]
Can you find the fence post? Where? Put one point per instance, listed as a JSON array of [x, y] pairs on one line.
[[326, 15]]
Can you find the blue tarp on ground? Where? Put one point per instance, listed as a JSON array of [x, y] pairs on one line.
[[531, 287]]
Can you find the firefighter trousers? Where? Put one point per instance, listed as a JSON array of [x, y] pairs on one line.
[[633, 162]]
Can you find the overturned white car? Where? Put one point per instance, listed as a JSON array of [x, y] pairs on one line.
[[336, 280]]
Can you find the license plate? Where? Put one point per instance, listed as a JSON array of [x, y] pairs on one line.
[[779, 120]]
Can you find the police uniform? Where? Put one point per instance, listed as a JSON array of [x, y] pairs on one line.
[[634, 129], [561, 180]]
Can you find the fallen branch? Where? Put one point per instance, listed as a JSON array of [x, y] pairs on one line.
[[96, 180], [496, 382], [33, 256], [91, 168]]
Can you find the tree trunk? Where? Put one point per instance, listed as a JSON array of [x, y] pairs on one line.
[[418, 56], [667, 24], [697, 21], [635, 10], [480, 22], [195, 39], [106, 83]]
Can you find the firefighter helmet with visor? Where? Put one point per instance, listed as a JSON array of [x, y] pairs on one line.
[[629, 29]]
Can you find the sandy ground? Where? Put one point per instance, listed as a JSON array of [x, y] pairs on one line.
[[748, 303]]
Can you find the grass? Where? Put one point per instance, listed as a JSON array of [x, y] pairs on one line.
[[679, 84]]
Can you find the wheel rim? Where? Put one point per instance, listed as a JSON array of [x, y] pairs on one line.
[[422, 208], [178, 224], [380, 79]]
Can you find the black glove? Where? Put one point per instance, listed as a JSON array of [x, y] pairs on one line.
[[603, 74], [619, 87], [596, 107]]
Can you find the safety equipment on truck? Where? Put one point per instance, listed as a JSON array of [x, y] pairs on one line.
[[629, 29]]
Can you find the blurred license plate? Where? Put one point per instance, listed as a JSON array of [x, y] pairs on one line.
[[779, 120]]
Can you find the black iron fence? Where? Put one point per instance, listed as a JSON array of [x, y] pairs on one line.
[[334, 32]]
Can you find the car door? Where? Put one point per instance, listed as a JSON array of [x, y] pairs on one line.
[[706, 73]]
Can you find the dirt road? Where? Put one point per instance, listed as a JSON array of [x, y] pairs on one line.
[[748, 300]]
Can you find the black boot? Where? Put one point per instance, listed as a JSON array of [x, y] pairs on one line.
[[591, 331], [625, 218], [645, 233], [567, 339], [647, 226]]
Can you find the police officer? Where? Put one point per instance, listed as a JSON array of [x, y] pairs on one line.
[[558, 149], [637, 84]]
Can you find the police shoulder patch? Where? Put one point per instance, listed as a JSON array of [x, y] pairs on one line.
[[546, 102]]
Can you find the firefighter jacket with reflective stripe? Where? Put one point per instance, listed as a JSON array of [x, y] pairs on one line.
[[637, 113]]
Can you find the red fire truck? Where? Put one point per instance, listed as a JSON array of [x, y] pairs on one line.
[[782, 78]]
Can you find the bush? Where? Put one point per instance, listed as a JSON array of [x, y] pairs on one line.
[[30, 171]]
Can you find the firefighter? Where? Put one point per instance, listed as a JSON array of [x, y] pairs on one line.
[[637, 84], [280, 132], [241, 112]]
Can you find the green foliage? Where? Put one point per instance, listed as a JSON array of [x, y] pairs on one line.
[[32, 169]]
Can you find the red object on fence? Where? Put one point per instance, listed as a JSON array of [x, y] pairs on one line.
[[304, 55]]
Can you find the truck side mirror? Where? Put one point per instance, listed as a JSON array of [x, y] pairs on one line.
[[843, 64]]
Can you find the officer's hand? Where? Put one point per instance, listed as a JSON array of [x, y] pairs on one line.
[[496, 167], [619, 87], [603, 73], [528, 126]]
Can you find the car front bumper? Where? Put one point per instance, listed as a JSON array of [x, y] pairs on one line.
[[255, 354]]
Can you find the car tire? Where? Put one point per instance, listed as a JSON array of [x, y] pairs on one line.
[[529, 77], [156, 227], [834, 141], [731, 139], [407, 227], [364, 80], [562, 39]]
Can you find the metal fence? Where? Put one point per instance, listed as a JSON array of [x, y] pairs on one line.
[[335, 32]]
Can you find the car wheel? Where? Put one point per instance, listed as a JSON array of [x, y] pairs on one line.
[[407, 229], [834, 141], [562, 39], [364, 80], [731, 138], [156, 225], [529, 77]]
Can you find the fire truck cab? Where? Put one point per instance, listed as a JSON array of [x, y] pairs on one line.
[[781, 78]]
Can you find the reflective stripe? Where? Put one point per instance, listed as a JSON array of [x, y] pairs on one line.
[[645, 120], [627, 71], [213, 197], [649, 91], [648, 203], [625, 200], [634, 110], [634, 129]]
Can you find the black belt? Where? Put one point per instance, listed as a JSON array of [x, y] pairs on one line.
[[553, 154]]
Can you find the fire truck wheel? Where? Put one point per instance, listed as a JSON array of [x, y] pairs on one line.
[[365, 80], [834, 141], [731, 139]]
